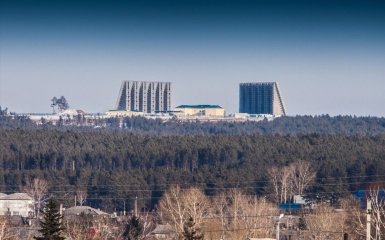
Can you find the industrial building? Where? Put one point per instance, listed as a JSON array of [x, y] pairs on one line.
[[261, 98], [147, 97], [18, 204], [201, 110]]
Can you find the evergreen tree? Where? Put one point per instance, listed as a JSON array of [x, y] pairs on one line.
[[62, 103], [51, 226], [190, 231], [134, 229]]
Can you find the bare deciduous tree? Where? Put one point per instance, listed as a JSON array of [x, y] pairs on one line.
[[86, 226], [5, 231], [251, 214], [230, 215], [171, 208], [81, 197], [377, 213], [213, 230], [326, 223], [302, 176], [241, 216], [280, 179], [178, 205], [290, 180], [196, 204], [75, 230], [257, 217], [357, 219], [148, 223], [37, 189], [219, 208], [234, 205]]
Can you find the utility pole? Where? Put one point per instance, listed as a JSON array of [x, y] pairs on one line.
[[61, 212], [61, 209], [278, 223], [378, 234], [278, 229], [368, 220], [136, 206], [75, 200], [124, 208]]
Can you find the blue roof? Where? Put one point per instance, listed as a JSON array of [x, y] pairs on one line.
[[291, 206], [199, 106]]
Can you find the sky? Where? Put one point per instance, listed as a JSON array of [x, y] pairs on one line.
[[328, 56]]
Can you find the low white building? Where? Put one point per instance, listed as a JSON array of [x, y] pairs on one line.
[[86, 210], [16, 204]]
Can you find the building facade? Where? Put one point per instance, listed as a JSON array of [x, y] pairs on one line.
[[148, 97], [261, 98], [201, 110], [16, 204]]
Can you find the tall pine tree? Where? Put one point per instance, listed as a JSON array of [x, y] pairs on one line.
[[51, 226], [191, 231], [134, 229]]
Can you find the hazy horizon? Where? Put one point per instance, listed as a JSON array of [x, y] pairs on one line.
[[327, 56]]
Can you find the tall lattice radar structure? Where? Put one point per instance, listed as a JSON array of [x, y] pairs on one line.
[[261, 98], [147, 97]]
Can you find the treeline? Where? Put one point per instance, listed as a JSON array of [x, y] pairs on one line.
[[324, 124], [115, 167], [11, 120], [347, 125]]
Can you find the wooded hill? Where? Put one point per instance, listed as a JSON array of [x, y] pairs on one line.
[[115, 166], [324, 124]]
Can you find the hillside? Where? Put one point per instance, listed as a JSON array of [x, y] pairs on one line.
[[116, 166]]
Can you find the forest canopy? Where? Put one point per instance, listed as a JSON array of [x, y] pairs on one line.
[[115, 166]]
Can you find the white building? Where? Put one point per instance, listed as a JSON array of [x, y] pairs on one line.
[[79, 210], [141, 96], [16, 204]]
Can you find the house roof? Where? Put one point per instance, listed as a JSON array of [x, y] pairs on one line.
[[72, 112], [202, 106], [162, 229], [83, 210], [15, 196]]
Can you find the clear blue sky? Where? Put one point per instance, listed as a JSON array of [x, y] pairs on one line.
[[328, 56]]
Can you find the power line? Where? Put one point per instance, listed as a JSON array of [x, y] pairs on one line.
[[149, 191], [227, 182], [211, 188]]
